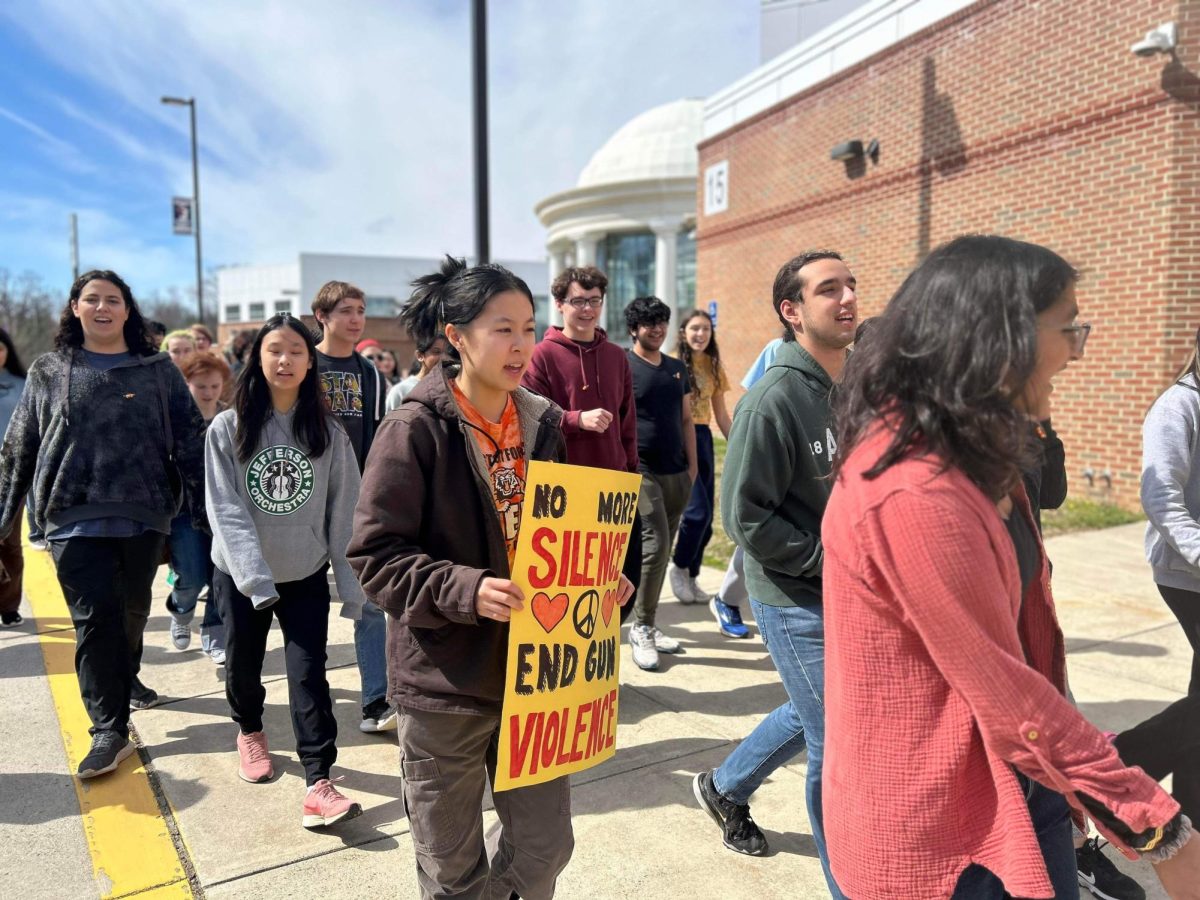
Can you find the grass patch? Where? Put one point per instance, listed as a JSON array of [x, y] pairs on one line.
[[1074, 515], [1085, 515]]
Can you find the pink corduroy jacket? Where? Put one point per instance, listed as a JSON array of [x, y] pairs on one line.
[[930, 700]]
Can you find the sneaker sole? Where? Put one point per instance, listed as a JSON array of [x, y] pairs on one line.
[[1092, 889], [242, 775], [314, 821], [123, 754], [653, 668], [141, 706], [388, 724]]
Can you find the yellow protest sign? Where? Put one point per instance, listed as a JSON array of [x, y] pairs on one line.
[[560, 697]]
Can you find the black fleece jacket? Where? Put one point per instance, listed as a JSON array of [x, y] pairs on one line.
[[86, 443]]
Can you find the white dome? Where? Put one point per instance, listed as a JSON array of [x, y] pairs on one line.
[[660, 143]]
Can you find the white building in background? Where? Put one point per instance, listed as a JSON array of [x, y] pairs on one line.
[[633, 212], [249, 295]]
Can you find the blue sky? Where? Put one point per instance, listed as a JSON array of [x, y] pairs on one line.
[[323, 127]]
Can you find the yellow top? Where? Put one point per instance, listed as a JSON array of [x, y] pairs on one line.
[[706, 386]]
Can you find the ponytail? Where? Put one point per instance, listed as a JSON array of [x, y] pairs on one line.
[[455, 295]]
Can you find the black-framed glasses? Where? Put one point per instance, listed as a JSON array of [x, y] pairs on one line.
[[584, 302], [1079, 334]]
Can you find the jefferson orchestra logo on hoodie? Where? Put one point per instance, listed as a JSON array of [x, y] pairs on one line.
[[279, 480]]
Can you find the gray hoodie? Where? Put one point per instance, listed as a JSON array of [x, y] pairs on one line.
[[1171, 486], [282, 515]]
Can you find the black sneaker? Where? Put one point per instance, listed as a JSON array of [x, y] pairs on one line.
[[378, 716], [108, 749], [737, 828], [142, 697], [10, 619], [1101, 877]]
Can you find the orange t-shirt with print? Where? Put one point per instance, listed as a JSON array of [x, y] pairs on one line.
[[503, 449]]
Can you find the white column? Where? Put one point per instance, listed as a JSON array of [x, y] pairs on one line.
[[585, 249], [666, 238], [558, 262]]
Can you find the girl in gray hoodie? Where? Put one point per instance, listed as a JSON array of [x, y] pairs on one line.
[[282, 482], [1171, 498]]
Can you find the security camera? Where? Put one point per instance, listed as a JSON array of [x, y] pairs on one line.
[[1159, 40]]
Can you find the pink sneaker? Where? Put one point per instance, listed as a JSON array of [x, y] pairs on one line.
[[325, 805], [253, 757]]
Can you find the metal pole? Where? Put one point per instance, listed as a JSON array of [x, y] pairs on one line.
[[479, 83], [196, 216], [74, 248]]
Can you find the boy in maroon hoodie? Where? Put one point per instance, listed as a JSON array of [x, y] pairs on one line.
[[575, 366]]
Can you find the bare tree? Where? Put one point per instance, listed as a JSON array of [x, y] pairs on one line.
[[28, 312]]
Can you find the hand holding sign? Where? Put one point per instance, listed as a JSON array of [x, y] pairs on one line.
[[497, 598]]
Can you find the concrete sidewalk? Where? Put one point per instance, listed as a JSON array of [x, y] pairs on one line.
[[638, 829]]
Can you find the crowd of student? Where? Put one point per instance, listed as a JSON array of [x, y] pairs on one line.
[[884, 502]]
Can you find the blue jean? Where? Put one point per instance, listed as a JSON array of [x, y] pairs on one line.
[[696, 526], [1052, 823], [370, 646], [191, 561], [795, 638]]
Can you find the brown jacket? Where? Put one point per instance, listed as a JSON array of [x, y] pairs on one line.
[[426, 534]]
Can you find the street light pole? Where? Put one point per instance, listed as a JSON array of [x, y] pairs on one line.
[[479, 83], [190, 102]]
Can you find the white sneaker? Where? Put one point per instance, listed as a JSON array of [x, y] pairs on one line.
[[664, 644], [641, 642], [682, 585], [699, 595]]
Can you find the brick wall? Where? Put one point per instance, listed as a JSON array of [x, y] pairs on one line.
[[1029, 118]]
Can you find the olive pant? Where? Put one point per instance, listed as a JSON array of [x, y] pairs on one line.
[[446, 759]]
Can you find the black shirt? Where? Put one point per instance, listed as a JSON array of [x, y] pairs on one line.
[[341, 380], [658, 393]]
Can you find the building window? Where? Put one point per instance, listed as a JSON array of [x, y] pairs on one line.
[[233, 312], [283, 306], [381, 307], [685, 271], [258, 311], [628, 261]]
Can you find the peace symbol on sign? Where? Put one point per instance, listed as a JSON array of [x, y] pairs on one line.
[[587, 607]]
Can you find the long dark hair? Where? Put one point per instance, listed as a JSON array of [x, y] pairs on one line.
[[12, 362], [455, 295], [944, 363], [252, 396], [711, 351], [70, 331]]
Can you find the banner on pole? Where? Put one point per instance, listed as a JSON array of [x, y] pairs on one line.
[[181, 215], [560, 696]]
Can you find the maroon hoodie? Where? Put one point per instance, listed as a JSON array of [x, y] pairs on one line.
[[579, 377]]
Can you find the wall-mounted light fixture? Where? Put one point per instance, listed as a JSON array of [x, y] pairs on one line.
[[1159, 40], [848, 151]]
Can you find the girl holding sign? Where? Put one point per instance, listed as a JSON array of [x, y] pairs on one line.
[[434, 536]]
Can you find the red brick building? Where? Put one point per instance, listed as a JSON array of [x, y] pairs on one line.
[[1029, 118]]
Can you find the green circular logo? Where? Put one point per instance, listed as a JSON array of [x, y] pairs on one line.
[[279, 480]]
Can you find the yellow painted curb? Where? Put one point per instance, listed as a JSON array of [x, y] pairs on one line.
[[131, 848]]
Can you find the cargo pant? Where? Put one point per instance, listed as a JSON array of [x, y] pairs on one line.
[[446, 759]]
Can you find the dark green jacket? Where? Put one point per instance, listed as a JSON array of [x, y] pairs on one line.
[[776, 478]]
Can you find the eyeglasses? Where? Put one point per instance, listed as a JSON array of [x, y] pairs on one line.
[[584, 302], [1079, 335]]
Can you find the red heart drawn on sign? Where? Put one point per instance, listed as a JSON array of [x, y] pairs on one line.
[[549, 612], [610, 600]]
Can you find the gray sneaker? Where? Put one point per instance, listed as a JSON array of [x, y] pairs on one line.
[[664, 644], [181, 631], [682, 585], [641, 642]]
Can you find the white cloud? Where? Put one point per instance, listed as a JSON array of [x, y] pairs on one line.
[[348, 128]]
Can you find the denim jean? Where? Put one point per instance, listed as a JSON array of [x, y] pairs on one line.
[[1052, 824], [696, 526], [795, 638], [370, 646], [191, 561]]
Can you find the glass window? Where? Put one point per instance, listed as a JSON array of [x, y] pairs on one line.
[[541, 313], [685, 271], [283, 306], [381, 307], [628, 261], [258, 311], [233, 312]]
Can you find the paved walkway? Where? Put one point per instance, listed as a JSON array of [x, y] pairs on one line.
[[179, 823]]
